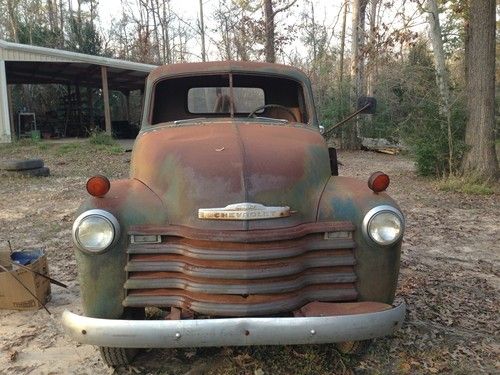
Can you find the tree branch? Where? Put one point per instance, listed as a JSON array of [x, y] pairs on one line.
[[283, 8]]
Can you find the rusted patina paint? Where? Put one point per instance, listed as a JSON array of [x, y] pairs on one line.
[[212, 266], [216, 164], [102, 276], [377, 267], [212, 67], [239, 305]]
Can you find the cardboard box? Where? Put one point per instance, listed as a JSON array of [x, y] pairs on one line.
[[14, 296]]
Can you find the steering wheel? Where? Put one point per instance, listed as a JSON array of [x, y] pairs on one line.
[[252, 114]]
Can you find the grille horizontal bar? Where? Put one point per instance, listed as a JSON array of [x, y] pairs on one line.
[[237, 274], [172, 280], [240, 251], [224, 305], [238, 269]]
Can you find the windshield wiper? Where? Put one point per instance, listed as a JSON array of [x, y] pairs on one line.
[[196, 119], [280, 120]]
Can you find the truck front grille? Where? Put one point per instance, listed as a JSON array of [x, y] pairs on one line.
[[238, 274]]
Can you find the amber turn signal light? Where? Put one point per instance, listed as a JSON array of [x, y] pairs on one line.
[[98, 186], [378, 182]]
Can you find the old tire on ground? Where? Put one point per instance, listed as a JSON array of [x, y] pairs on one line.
[[115, 357], [356, 348], [38, 172], [21, 165]]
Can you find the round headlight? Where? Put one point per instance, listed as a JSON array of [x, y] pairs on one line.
[[384, 225], [95, 230]]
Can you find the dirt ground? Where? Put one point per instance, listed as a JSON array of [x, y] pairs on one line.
[[449, 279]]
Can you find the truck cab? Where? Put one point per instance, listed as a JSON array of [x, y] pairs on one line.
[[234, 224]]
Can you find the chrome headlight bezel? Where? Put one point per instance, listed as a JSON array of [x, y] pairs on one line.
[[370, 215], [105, 215]]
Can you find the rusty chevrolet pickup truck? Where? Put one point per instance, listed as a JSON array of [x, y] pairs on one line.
[[235, 224]]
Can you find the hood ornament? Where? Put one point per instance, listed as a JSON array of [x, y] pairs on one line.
[[243, 211]]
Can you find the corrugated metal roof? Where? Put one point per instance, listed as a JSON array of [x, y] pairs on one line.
[[23, 52]]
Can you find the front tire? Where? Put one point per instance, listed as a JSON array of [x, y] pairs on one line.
[[115, 357], [354, 348]]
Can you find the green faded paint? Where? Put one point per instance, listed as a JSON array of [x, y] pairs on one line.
[[377, 267], [304, 194], [101, 276], [225, 162], [175, 170]]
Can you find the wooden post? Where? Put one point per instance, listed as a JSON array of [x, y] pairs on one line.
[[78, 107], [90, 105], [127, 105], [11, 112], [5, 134], [105, 95]]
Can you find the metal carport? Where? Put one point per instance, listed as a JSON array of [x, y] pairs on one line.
[[26, 64]]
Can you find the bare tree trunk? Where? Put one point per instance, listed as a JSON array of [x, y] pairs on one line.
[[202, 32], [370, 81], [341, 94], [167, 51], [227, 41], [157, 37], [11, 9], [50, 10], [61, 22], [480, 160], [315, 47], [357, 66], [342, 43], [441, 74], [269, 31]]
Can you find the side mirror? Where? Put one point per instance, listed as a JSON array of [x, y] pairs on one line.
[[367, 105]]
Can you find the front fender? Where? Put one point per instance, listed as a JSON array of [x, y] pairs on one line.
[[102, 276], [377, 267]]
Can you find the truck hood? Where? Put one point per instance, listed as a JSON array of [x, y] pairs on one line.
[[216, 164]]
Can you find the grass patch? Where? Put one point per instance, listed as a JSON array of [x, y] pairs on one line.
[[98, 137], [465, 185], [67, 148], [23, 142]]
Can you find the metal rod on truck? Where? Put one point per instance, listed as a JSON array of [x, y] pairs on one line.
[[346, 119]]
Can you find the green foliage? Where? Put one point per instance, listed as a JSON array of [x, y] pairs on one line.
[[465, 185], [68, 148], [83, 37], [407, 110], [38, 35], [98, 137], [424, 127]]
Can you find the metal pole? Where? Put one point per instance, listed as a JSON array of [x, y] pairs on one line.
[[5, 133]]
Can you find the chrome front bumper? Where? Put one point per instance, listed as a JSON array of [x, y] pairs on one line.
[[232, 331]]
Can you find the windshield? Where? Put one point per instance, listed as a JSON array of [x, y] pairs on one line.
[[242, 96], [203, 100]]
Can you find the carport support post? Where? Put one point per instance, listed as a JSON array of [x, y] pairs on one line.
[[5, 134], [127, 105], [105, 94]]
